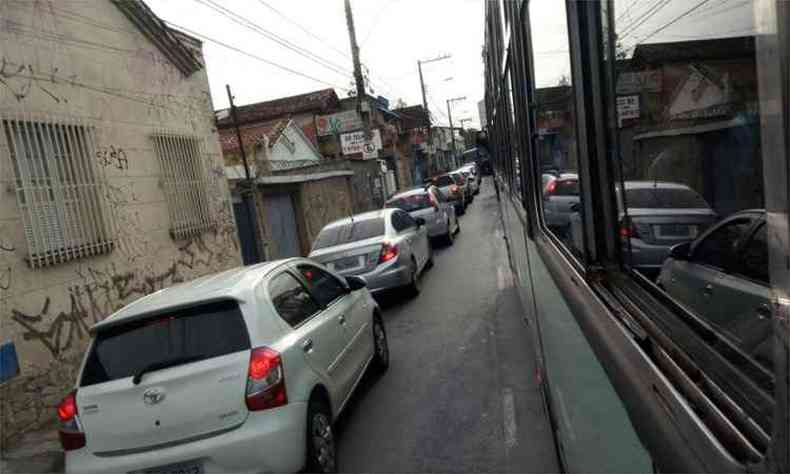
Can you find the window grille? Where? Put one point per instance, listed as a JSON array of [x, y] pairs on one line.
[[185, 183], [59, 191]]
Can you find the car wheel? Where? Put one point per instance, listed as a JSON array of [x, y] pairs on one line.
[[457, 226], [381, 349], [321, 447], [413, 288]]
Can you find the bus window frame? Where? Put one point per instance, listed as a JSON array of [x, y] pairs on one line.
[[583, 282]]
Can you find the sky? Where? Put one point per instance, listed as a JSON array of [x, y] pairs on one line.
[[393, 35], [636, 22]]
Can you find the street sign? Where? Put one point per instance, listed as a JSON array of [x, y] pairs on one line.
[[354, 142], [627, 108], [338, 123]]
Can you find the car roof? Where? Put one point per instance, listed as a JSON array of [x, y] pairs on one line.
[[410, 192], [360, 217], [237, 284], [654, 184]]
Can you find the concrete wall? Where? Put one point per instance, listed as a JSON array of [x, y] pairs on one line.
[[112, 78], [322, 202]]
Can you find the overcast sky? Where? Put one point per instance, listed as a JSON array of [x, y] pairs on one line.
[[394, 34]]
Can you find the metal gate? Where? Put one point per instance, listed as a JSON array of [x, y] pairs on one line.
[[246, 229], [282, 222]]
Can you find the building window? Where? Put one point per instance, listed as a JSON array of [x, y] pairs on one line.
[[58, 190], [185, 184]]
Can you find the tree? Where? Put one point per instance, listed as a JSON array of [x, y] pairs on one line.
[[400, 103]]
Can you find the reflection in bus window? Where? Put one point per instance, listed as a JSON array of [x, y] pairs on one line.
[[555, 120], [688, 127]]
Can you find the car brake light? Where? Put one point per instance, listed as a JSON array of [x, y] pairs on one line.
[[265, 380], [627, 230], [454, 189], [551, 187], [388, 252], [71, 435]]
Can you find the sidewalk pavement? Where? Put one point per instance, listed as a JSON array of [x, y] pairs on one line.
[[35, 452]]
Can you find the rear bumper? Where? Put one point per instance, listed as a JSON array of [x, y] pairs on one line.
[[268, 441], [391, 277]]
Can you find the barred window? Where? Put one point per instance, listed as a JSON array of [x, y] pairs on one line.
[[185, 183], [58, 190]]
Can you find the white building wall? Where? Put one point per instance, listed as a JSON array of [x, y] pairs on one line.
[[86, 61]]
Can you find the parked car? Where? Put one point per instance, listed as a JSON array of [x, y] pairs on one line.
[[429, 204], [463, 183], [723, 277], [245, 370], [386, 248], [560, 193], [472, 179], [450, 188], [660, 215]]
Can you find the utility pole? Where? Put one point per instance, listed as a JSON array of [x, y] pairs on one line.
[[452, 130], [247, 188], [358, 78], [424, 97]]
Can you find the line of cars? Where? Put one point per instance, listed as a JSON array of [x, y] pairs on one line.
[[717, 268], [247, 370]]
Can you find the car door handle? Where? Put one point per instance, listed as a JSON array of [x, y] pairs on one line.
[[708, 290], [307, 345], [342, 319], [764, 311]]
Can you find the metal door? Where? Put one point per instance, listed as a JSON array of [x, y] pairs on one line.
[[282, 222], [246, 230]]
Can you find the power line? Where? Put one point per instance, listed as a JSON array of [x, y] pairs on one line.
[[375, 22], [253, 56], [659, 30], [626, 11], [238, 19], [305, 30], [634, 26]]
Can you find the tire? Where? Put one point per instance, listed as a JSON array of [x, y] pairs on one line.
[[321, 445], [413, 288], [429, 263], [449, 237], [381, 351]]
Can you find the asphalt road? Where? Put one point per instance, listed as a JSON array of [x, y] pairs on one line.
[[461, 392]]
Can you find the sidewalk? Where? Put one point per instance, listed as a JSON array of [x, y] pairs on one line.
[[35, 452]]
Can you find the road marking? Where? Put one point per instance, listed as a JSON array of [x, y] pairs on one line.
[[509, 408]]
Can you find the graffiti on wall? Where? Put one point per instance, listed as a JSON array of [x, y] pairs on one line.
[[112, 156]]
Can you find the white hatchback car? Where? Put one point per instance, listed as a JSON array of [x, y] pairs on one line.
[[242, 371]]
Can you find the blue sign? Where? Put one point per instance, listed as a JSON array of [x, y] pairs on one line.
[[9, 364]]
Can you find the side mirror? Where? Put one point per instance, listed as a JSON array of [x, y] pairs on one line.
[[355, 283], [420, 221], [680, 251]]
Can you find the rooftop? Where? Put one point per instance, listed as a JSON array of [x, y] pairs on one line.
[[320, 101], [682, 51]]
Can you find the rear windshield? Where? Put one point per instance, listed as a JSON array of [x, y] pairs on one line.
[[351, 232], [415, 202], [189, 335], [567, 187], [442, 181], [664, 198]]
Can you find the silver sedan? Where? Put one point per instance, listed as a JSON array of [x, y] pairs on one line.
[[386, 248], [429, 204]]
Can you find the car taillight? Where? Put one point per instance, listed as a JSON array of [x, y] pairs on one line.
[[388, 252], [265, 380], [454, 189], [551, 187], [628, 230], [71, 435]]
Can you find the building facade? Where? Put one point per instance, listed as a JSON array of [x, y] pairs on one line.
[[112, 179]]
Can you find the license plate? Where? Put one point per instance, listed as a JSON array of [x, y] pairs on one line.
[[676, 230], [192, 467], [346, 263]]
